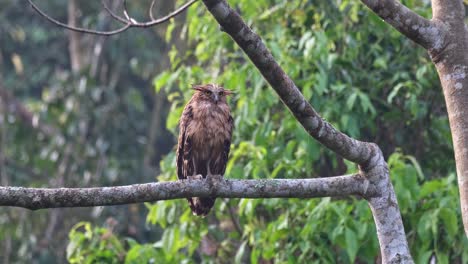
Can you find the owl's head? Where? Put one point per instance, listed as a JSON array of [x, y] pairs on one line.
[[211, 92]]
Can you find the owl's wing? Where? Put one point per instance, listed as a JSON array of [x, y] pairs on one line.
[[184, 149], [227, 144]]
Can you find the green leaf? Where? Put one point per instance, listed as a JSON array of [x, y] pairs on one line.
[[442, 257], [254, 256], [141, 254], [430, 187], [416, 166], [161, 80], [351, 100], [351, 244], [240, 253], [450, 221], [394, 92], [169, 30], [380, 62], [366, 103]]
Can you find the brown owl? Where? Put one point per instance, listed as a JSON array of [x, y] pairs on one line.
[[205, 138]]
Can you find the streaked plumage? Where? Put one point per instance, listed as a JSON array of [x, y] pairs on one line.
[[205, 139]]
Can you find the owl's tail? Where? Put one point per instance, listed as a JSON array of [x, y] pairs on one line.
[[201, 206]]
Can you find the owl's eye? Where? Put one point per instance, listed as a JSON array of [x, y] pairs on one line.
[[208, 92], [221, 93]]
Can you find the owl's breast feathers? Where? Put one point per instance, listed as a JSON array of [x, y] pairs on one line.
[[210, 128]]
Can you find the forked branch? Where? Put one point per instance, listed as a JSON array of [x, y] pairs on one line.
[[423, 31], [128, 21], [384, 206]]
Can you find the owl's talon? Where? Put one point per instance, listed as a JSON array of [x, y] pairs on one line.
[[218, 177], [195, 177]]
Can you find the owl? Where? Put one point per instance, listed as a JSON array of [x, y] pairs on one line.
[[205, 131]]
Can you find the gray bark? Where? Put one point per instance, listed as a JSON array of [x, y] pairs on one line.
[[40, 198], [384, 206], [445, 37], [452, 66]]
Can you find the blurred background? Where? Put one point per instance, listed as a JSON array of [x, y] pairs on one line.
[[80, 110]]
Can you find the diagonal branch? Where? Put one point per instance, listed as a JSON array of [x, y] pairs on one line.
[[40, 198], [349, 148], [390, 231], [417, 28]]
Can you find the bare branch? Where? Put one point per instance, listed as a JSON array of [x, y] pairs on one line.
[[151, 10], [153, 21], [417, 28], [39, 198], [122, 20], [127, 21], [125, 11], [78, 29]]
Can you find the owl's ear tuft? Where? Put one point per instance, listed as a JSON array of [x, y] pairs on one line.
[[228, 92], [197, 87]]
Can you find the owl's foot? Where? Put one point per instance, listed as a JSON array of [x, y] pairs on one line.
[[195, 177], [215, 177]]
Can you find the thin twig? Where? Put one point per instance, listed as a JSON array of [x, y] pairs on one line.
[[114, 15], [127, 21], [78, 29], [151, 10], [126, 13], [150, 23]]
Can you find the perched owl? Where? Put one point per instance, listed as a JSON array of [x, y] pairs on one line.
[[205, 139]]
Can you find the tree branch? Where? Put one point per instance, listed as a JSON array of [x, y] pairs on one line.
[[153, 21], [384, 206], [417, 28], [40, 198], [127, 21], [452, 67], [78, 29], [349, 148]]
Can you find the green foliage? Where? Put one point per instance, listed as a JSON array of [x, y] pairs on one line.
[[101, 115], [368, 81], [298, 231], [358, 72], [93, 245], [431, 212]]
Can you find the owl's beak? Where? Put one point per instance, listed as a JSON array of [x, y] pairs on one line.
[[216, 97]]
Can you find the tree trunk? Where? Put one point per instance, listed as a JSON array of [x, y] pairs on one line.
[[452, 66], [445, 36]]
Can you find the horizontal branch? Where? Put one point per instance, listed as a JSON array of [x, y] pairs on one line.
[[40, 198]]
